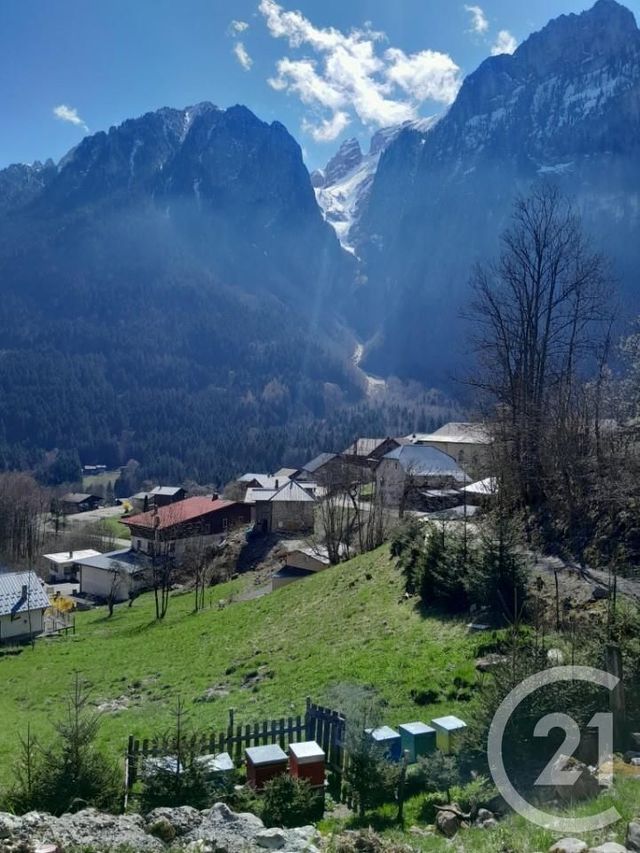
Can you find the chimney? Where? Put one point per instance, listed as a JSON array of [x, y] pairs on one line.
[[24, 592], [277, 483], [214, 496]]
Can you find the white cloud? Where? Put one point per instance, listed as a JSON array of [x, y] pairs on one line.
[[242, 56], [350, 76], [328, 129], [504, 43], [238, 26], [427, 75], [70, 114], [479, 22]]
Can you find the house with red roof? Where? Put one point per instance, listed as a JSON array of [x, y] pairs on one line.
[[193, 522]]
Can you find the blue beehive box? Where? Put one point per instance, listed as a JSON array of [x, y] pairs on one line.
[[389, 740], [417, 739], [448, 732]]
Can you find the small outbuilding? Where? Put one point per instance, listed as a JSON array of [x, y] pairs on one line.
[[23, 601], [299, 564], [75, 502], [388, 740], [448, 733], [116, 575], [265, 763], [418, 739]]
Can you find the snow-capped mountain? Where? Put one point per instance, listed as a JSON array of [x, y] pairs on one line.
[[566, 107], [343, 185]]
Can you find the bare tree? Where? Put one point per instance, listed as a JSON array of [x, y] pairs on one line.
[[542, 315], [24, 505]]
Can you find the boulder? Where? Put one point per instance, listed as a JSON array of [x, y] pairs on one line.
[[633, 836], [270, 839], [569, 845], [8, 825], [448, 823], [587, 785], [183, 818], [608, 847]]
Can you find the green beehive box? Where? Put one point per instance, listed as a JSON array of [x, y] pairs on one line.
[[448, 733], [417, 739]]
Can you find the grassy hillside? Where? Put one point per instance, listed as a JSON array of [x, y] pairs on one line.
[[348, 624]]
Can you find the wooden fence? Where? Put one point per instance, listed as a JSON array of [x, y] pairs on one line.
[[323, 725]]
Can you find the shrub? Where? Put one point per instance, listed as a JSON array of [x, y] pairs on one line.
[[289, 802], [71, 772], [189, 787]]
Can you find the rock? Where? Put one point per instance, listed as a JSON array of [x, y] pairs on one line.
[[555, 656], [271, 839], [163, 829], [484, 815], [630, 755], [183, 818], [633, 836], [585, 787], [489, 662], [569, 845], [599, 593], [46, 848], [448, 823], [8, 824], [225, 829], [608, 847]]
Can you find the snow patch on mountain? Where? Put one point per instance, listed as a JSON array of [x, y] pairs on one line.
[[343, 185]]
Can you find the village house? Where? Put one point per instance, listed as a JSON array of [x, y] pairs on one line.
[[23, 601], [287, 509], [78, 502], [411, 468], [117, 575], [196, 522], [370, 450], [158, 496], [468, 443], [63, 565], [299, 564], [335, 472]]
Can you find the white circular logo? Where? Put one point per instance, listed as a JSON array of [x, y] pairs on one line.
[[551, 774]]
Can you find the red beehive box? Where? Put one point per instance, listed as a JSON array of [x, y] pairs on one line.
[[307, 761], [264, 763]]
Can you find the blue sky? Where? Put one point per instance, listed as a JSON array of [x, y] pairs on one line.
[[71, 65]]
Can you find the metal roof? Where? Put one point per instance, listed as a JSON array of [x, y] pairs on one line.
[[66, 558], [77, 498], [271, 754], [292, 491], [365, 446], [12, 600], [416, 728], [169, 491], [448, 724], [488, 486], [455, 432], [126, 561], [320, 460], [420, 460], [180, 512]]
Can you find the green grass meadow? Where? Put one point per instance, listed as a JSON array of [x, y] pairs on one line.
[[350, 624]]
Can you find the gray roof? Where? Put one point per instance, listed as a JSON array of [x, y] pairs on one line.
[[292, 491], [126, 561], [12, 600], [320, 460], [170, 491], [77, 498], [365, 446], [456, 432], [421, 460]]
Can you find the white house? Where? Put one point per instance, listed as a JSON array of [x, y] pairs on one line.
[[412, 467], [23, 601], [117, 575], [468, 443], [63, 564]]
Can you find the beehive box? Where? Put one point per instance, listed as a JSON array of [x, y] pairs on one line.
[[264, 763], [307, 761], [389, 740], [417, 739], [448, 732]]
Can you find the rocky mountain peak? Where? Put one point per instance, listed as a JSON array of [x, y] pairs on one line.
[[346, 158]]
